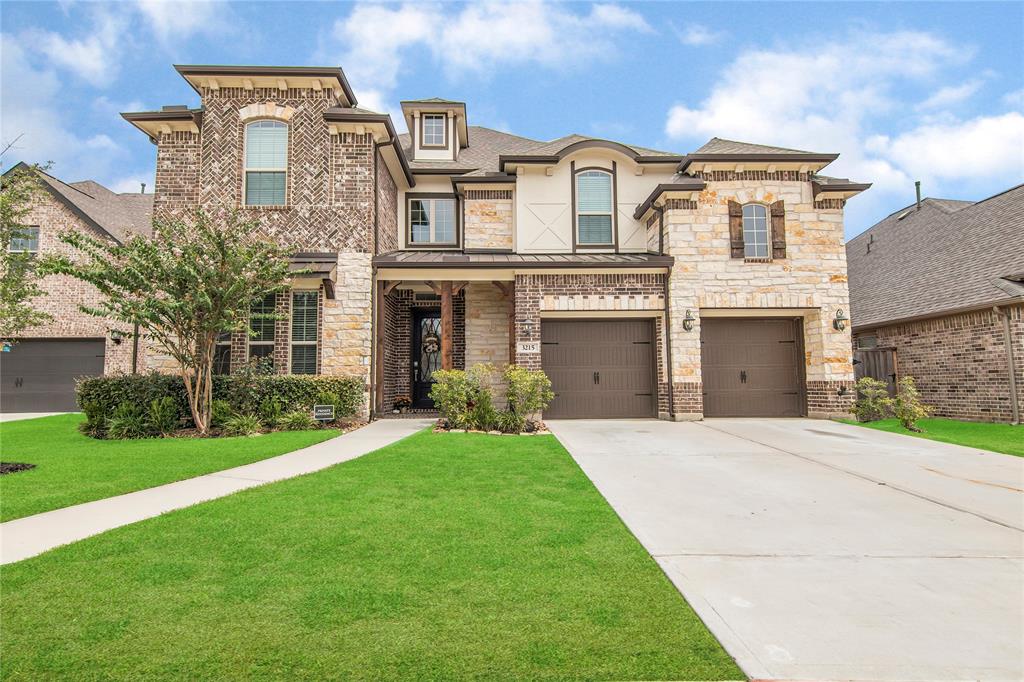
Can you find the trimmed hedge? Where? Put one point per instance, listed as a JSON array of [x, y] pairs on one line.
[[244, 392]]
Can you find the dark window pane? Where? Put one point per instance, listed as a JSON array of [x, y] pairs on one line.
[[264, 188], [304, 314], [304, 359], [222, 359], [263, 350], [595, 229], [259, 320]]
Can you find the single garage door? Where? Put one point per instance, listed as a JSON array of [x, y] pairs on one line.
[[599, 369], [39, 376], [752, 367]]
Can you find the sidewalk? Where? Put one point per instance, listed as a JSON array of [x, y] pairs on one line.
[[32, 535]]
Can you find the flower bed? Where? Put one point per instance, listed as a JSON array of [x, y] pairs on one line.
[[466, 399]]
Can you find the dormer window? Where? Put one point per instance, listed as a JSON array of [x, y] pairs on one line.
[[434, 130], [266, 163]]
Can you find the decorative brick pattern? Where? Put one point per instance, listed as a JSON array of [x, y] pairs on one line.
[[62, 295], [837, 204], [959, 362], [753, 175], [387, 209]]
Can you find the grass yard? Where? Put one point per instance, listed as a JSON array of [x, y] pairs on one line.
[[443, 556], [996, 437], [72, 468]]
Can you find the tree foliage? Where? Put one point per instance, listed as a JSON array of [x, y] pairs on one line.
[[19, 283], [184, 286]]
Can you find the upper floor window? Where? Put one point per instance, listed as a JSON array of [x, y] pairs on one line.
[[432, 221], [25, 240], [594, 207], [755, 231], [434, 130], [266, 163]]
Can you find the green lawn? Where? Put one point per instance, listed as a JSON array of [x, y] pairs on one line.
[[996, 437], [443, 556], [72, 468]]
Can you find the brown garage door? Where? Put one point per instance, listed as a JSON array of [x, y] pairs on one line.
[[39, 376], [752, 367], [599, 369]]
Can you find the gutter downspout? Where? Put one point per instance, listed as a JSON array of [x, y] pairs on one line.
[[373, 288], [668, 350], [1011, 367]]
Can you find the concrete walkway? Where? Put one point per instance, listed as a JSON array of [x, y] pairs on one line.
[[18, 416], [822, 551], [32, 535]]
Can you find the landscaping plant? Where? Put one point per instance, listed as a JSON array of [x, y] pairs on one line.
[[453, 392], [270, 412], [873, 401], [220, 412], [95, 423], [186, 285], [128, 421], [163, 416], [527, 394], [241, 425], [298, 420], [907, 405]]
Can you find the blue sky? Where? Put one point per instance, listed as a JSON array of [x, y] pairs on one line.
[[903, 91]]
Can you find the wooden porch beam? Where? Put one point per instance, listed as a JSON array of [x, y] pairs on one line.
[[504, 288], [390, 286], [434, 287], [458, 287], [378, 367], [447, 356]]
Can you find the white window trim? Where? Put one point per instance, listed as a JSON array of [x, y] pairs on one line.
[[246, 170], [292, 343], [444, 131], [432, 212], [767, 231], [610, 214], [34, 251]]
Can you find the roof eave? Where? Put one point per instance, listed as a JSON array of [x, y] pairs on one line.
[[653, 197], [690, 159], [336, 72], [357, 117]]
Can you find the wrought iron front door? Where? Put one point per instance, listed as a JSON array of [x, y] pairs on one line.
[[426, 355]]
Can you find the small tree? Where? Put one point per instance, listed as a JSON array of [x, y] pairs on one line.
[[19, 282], [907, 405], [873, 401], [189, 283]]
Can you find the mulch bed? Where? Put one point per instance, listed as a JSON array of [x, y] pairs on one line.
[[13, 467]]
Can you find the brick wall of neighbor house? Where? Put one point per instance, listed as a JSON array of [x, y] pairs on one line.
[[63, 294], [959, 362], [330, 200], [398, 309], [812, 276], [626, 294], [488, 219]]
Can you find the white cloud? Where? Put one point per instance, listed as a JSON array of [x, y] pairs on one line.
[[951, 94], [132, 183], [374, 41], [178, 19], [697, 35], [1014, 99], [93, 57]]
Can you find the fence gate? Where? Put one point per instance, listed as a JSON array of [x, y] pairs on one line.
[[877, 363]]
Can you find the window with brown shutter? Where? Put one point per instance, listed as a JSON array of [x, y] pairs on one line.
[[778, 230], [736, 229]]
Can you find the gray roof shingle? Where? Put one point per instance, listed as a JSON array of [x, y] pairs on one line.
[[119, 214], [947, 256], [482, 154], [718, 145]]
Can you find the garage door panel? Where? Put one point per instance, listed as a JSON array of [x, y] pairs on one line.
[[599, 368], [39, 375], [751, 368]]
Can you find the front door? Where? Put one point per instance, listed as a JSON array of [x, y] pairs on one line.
[[426, 355]]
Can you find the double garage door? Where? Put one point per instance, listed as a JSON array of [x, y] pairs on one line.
[[605, 368], [39, 375]]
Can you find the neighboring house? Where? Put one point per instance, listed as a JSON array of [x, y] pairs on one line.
[[937, 293], [643, 282], [39, 371]]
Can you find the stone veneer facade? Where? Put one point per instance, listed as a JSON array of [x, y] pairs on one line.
[[62, 295], [488, 219], [811, 279], [959, 361], [340, 199]]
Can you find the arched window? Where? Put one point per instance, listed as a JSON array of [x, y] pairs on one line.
[[266, 163], [755, 231], [594, 207]]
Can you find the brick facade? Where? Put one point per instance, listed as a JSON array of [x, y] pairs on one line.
[[959, 361], [62, 295]]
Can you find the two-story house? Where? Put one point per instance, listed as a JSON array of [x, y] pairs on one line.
[[38, 371], [645, 283]]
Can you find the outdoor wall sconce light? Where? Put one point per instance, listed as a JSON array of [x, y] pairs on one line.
[[116, 336], [839, 324], [688, 320], [527, 328]]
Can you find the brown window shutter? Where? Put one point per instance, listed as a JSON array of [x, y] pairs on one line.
[[778, 229], [736, 229]]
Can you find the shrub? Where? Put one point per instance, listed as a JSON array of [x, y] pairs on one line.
[[328, 398], [453, 392], [220, 413], [907, 405], [95, 423], [298, 420], [509, 422], [163, 415], [244, 392], [873, 401], [127, 421], [241, 425], [528, 392], [270, 412]]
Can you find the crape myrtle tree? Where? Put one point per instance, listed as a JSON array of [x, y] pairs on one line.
[[19, 282], [187, 284]]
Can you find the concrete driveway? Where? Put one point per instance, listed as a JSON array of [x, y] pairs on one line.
[[816, 550]]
